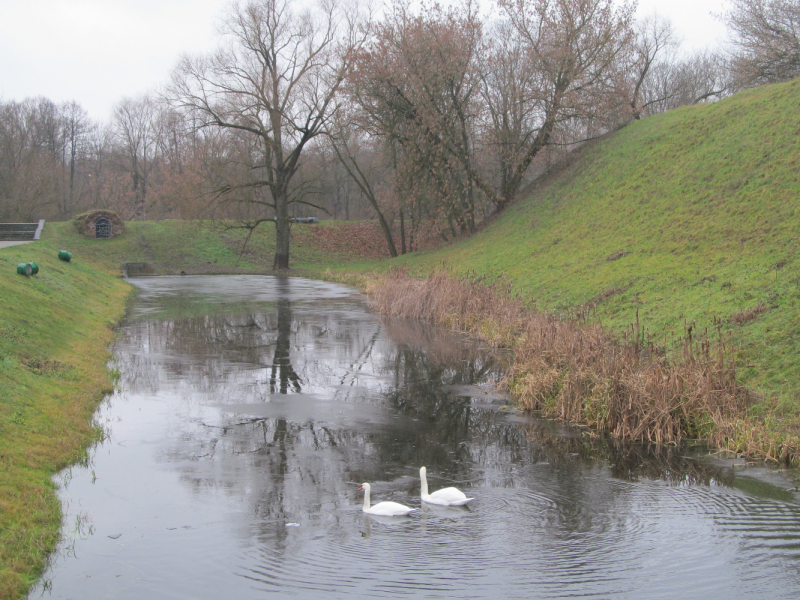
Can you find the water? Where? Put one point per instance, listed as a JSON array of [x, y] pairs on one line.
[[250, 409]]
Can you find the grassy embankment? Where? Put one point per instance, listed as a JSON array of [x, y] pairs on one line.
[[686, 218], [55, 331], [205, 247]]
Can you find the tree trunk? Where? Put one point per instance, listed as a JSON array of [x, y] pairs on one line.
[[402, 231], [346, 201], [281, 233]]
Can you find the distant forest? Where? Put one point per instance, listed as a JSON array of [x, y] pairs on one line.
[[429, 120]]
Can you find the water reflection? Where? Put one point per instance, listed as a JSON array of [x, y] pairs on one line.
[[242, 414], [281, 363]]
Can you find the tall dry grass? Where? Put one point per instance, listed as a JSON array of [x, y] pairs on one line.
[[461, 304], [573, 369]]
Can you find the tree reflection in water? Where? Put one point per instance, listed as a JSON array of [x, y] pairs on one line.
[[422, 375], [281, 362]]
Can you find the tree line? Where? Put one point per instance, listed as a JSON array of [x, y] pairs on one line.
[[428, 119]]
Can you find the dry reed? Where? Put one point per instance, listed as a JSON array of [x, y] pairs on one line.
[[572, 369]]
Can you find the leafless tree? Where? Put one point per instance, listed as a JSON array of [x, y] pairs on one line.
[[654, 47], [663, 78], [765, 40], [77, 127], [348, 144], [31, 147], [136, 124], [510, 113], [275, 79], [704, 75], [569, 51]]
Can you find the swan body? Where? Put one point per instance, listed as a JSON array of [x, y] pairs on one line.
[[384, 509], [445, 497]]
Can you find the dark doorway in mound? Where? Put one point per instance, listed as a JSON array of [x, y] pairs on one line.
[[102, 228]]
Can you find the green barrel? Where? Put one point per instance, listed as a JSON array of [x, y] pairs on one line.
[[34, 268], [24, 269], [64, 255]]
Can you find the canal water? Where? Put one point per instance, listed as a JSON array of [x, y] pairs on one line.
[[250, 409]]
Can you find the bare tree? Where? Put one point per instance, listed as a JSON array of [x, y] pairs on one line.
[[136, 124], [765, 44], [77, 128], [512, 115], [662, 78], [654, 47], [275, 80], [704, 75], [31, 149], [569, 52], [347, 144]]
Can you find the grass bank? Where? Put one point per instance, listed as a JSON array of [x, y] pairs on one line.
[[686, 221], [197, 247], [55, 331]]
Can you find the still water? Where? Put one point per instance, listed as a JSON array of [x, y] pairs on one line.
[[250, 409]]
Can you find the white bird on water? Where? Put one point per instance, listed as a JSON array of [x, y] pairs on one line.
[[445, 497], [384, 509]]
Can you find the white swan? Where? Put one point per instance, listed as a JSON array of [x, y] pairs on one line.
[[445, 497], [384, 509]]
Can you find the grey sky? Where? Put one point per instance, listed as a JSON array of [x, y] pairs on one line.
[[98, 51]]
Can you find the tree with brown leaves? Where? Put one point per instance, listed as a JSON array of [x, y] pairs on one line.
[[416, 87], [765, 40], [568, 52]]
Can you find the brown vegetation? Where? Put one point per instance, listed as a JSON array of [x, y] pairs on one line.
[[574, 370], [765, 45], [748, 314], [359, 240]]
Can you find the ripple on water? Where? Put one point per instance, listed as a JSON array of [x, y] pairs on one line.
[[621, 539]]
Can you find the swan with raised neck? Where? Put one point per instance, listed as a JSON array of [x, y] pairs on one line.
[[449, 496]]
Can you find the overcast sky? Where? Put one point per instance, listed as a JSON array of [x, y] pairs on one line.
[[99, 51]]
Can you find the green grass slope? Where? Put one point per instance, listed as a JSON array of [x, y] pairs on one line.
[[684, 216], [55, 332], [172, 246]]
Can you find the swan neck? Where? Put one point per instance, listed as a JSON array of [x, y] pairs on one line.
[[424, 483], [366, 496]]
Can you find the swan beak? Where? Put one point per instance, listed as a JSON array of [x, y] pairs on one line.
[[361, 488]]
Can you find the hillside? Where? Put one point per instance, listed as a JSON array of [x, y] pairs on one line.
[[55, 332], [683, 216]]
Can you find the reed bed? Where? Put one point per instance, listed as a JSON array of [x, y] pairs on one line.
[[570, 368]]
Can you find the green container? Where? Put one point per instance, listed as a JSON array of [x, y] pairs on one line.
[[34, 268], [25, 269], [64, 255]]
